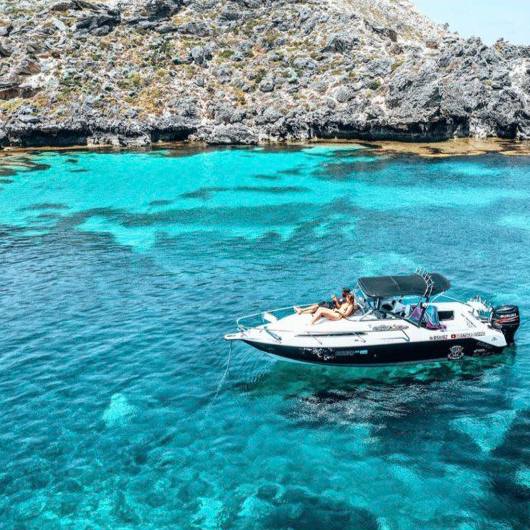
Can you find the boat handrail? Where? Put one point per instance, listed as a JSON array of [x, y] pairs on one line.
[[261, 314], [273, 335], [445, 295], [241, 326], [390, 316], [451, 298], [486, 304]]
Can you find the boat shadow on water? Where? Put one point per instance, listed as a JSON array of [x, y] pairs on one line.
[[403, 399], [277, 377]]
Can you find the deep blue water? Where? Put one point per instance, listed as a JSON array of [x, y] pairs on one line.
[[120, 273]]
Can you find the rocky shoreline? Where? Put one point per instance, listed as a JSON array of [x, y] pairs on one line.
[[132, 73]]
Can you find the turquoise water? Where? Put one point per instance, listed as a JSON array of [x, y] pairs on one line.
[[122, 271]]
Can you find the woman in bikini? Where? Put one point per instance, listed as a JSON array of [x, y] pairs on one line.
[[346, 309], [334, 304]]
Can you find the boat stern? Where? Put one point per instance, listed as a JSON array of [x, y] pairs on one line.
[[506, 319]]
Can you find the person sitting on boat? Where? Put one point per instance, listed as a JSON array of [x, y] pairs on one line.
[[334, 304], [346, 309], [399, 308]]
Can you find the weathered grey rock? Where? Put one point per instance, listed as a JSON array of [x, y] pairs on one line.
[[157, 9], [182, 59], [145, 24], [304, 63], [199, 28], [269, 116], [62, 6], [267, 85], [9, 90], [226, 134], [89, 5], [226, 114], [59, 24], [341, 42], [230, 14], [164, 29], [28, 66], [247, 71], [343, 94], [5, 29], [223, 74], [4, 52], [29, 118], [201, 54], [118, 140], [432, 44], [379, 67], [387, 32], [99, 23]]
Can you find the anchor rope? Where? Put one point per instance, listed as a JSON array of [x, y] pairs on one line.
[[221, 381]]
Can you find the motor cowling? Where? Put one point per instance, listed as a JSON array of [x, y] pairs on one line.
[[506, 318]]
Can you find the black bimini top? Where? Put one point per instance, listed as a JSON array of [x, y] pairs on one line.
[[406, 285]]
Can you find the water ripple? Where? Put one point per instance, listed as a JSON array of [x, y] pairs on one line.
[[119, 408]]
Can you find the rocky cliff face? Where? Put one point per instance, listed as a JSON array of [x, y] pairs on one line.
[[244, 71]]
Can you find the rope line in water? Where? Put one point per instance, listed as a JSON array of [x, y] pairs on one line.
[[221, 381]]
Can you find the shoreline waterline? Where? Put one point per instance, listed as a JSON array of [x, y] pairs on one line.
[[435, 149]]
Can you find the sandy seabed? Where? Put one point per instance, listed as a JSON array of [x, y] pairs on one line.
[[447, 148]]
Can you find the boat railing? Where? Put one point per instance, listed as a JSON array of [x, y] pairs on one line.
[[479, 307], [264, 317], [272, 315], [427, 278]]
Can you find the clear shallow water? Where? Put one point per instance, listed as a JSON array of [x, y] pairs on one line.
[[120, 274]]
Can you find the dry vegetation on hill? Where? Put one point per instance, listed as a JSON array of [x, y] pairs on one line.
[[245, 71]]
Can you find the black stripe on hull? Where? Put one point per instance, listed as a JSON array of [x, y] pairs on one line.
[[384, 354]]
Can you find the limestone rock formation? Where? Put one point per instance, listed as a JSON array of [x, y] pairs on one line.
[[132, 72]]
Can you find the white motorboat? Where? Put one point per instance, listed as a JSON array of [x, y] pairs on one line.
[[400, 319]]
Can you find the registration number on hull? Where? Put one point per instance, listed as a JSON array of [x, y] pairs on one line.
[[454, 336]]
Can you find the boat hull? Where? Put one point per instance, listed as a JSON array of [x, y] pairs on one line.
[[380, 355]]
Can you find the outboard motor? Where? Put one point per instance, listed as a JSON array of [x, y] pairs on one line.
[[506, 318]]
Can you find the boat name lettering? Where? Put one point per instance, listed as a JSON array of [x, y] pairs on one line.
[[389, 327], [346, 353]]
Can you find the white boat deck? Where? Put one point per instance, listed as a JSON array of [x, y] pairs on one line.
[[367, 329]]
